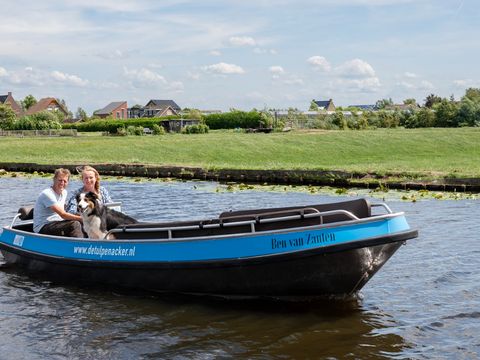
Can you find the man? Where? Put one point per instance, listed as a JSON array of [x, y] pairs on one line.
[[49, 215]]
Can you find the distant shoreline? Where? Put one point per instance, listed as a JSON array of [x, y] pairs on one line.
[[334, 178]]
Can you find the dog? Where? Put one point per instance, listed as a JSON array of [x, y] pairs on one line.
[[99, 219]]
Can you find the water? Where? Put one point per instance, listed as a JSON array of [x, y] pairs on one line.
[[423, 304]]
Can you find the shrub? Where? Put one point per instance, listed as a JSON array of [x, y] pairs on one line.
[[121, 131], [135, 130], [195, 129], [158, 129], [42, 120]]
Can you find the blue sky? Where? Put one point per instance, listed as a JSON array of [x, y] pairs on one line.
[[238, 54]]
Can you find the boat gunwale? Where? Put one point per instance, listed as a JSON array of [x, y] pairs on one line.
[[338, 224]]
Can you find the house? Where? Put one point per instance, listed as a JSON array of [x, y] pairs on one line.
[[115, 110], [48, 104], [9, 100], [158, 108], [154, 108], [325, 105], [136, 111]]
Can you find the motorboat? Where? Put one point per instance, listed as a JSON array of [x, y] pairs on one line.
[[330, 249]]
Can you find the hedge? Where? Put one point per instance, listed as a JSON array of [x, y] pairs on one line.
[[234, 119], [111, 126]]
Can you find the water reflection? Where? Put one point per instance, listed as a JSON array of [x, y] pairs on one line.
[[93, 323]]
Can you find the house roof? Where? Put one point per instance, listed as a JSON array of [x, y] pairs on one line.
[[322, 103], [165, 103], [365, 107], [107, 110], [3, 98], [43, 104]]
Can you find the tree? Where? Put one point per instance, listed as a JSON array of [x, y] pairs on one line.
[[431, 100], [313, 106], [193, 114], [446, 114], [81, 114], [65, 107], [468, 113], [410, 101], [383, 103], [472, 94], [28, 102], [7, 117]]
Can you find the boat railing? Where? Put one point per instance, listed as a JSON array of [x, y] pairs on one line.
[[262, 218], [385, 206]]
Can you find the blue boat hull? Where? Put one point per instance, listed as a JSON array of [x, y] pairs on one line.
[[315, 251]]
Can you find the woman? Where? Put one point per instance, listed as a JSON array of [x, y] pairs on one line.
[[91, 182]]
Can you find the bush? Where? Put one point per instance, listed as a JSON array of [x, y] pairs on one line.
[[195, 129], [158, 129], [121, 131], [135, 130], [42, 120]]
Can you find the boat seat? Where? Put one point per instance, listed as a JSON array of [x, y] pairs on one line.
[[359, 207], [26, 212]]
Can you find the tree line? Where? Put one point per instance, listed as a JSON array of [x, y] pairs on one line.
[[435, 112]]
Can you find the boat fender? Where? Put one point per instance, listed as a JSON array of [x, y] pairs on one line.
[[220, 222], [257, 220], [200, 224], [302, 214]]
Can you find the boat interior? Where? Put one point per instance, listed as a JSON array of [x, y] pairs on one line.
[[235, 222]]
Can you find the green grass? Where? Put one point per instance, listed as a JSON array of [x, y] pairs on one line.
[[453, 152]]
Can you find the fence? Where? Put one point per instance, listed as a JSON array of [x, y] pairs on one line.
[[49, 132]]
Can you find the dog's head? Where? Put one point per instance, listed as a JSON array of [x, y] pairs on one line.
[[86, 202]]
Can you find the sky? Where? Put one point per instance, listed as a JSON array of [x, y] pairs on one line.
[[218, 55]]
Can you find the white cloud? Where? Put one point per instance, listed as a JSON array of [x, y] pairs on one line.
[[26, 77], [258, 50], [155, 66], [224, 68], [68, 79], [319, 63], [276, 71], [242, 41], [193, 75], [3, 72], [143, 77], [371, 84], [410, 75], [426, 85], [176, 86], [215, 53], [356, 68], [293, 80], [406, 85], [115, 54], [466, 83], [423, 85]]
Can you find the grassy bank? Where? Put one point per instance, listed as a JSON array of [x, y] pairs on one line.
[[441, 152]]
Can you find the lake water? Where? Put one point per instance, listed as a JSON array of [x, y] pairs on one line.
[[423, 304]]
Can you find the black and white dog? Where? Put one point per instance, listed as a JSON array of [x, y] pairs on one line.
[[97, 218]]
